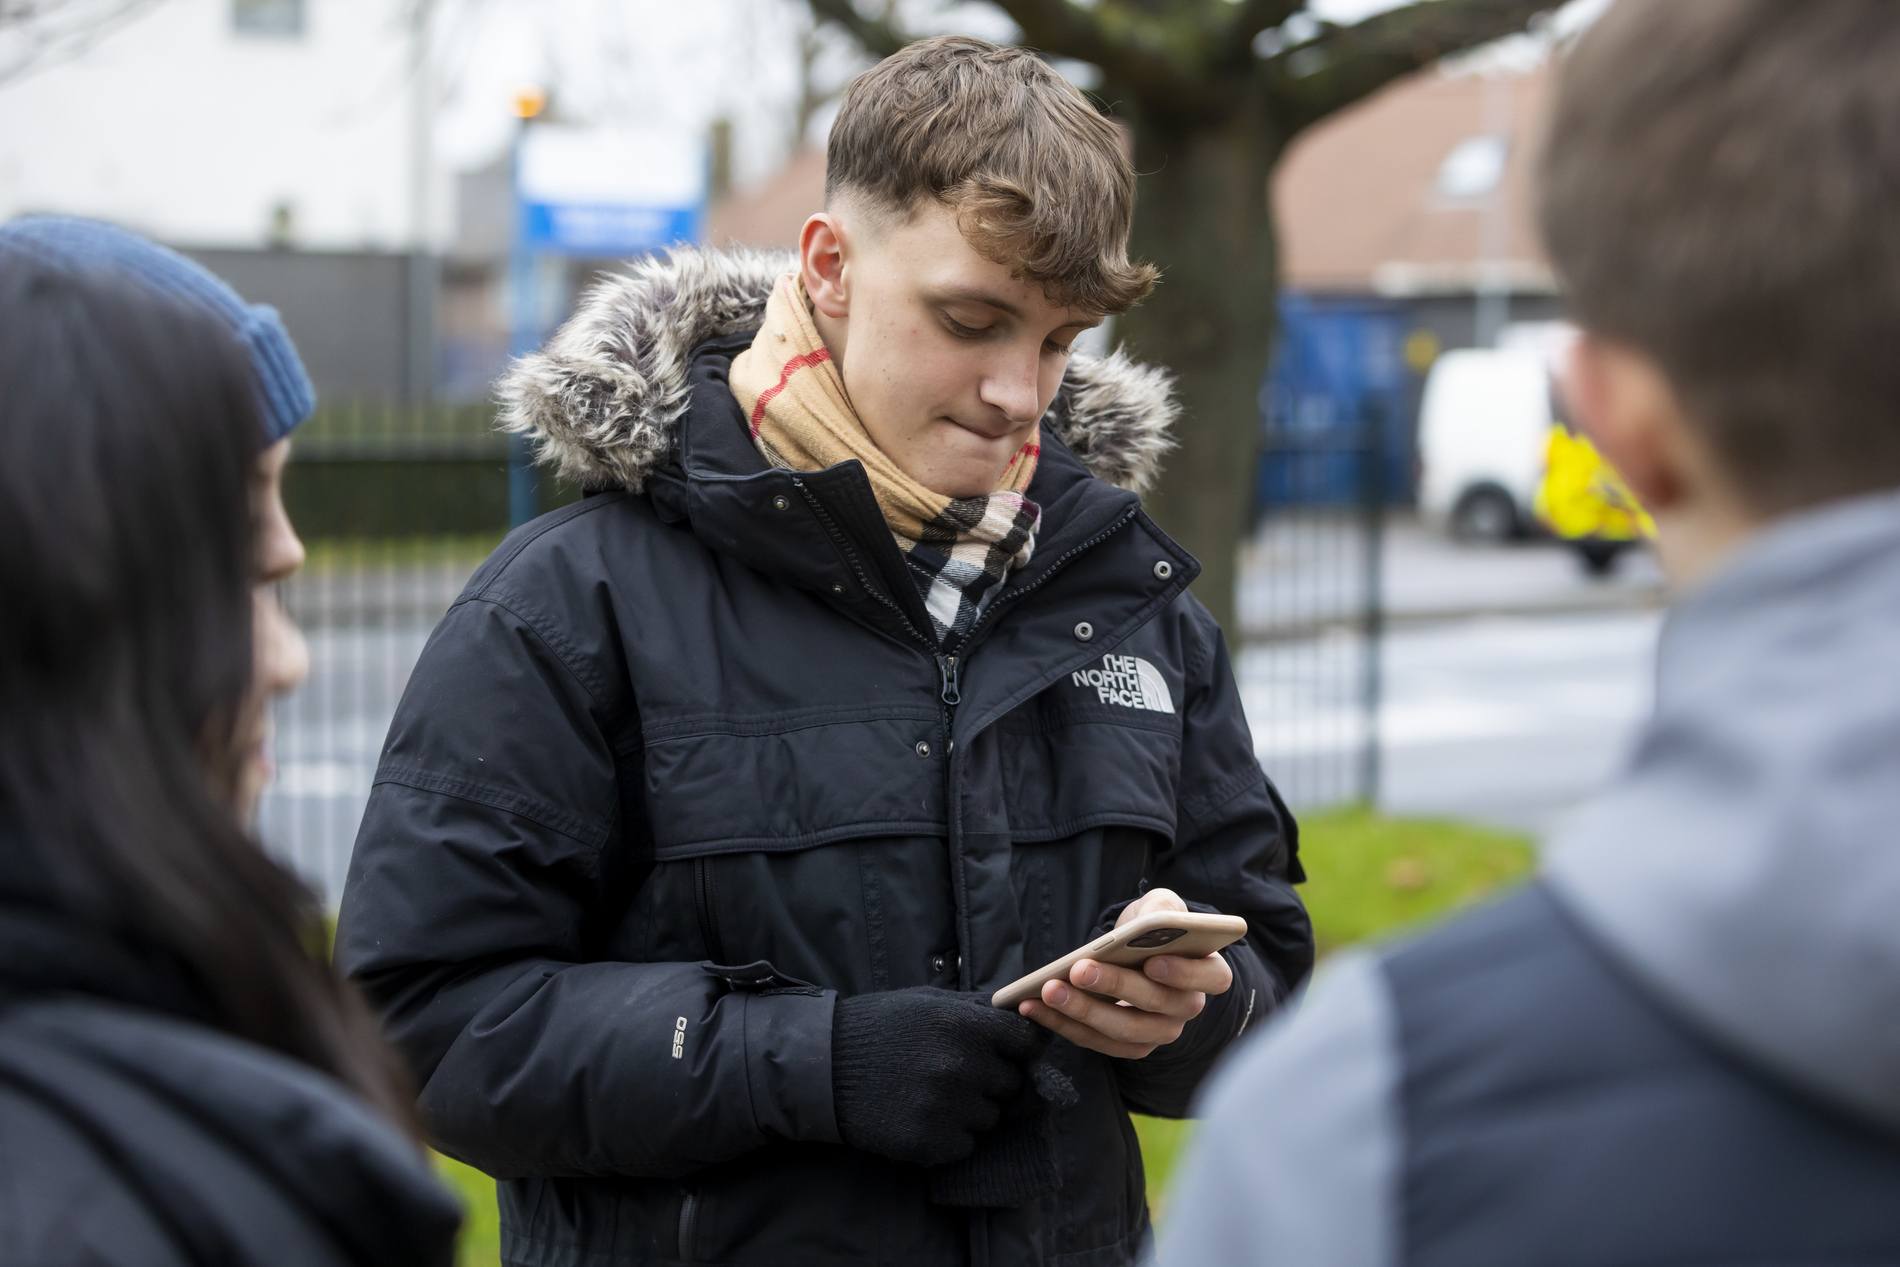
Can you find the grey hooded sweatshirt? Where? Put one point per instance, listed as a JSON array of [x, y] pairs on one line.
[[1681, 1043]]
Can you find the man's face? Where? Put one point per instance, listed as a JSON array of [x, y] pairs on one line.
[[949, 361]]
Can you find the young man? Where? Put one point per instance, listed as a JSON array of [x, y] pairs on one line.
[[1679, 1044], [722, 800]]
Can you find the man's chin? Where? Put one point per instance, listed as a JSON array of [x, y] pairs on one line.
[[975, 468], [962, 485]]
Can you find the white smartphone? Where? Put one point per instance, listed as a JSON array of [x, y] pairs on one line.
[[1187, 933]]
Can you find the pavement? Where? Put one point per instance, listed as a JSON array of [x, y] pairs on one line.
[[1510, 721], [1300, 574]]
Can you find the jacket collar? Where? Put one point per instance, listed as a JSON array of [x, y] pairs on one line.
[[604, 401], [822, 530], [632, 393]]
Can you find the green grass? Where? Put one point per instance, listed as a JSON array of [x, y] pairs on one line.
[[366, 426], [461, 552], [480, 1245], [1367, 876]]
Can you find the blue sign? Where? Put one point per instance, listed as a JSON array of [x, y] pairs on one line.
[[606, 228]]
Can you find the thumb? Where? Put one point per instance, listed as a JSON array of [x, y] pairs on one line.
[[1019, 1038]]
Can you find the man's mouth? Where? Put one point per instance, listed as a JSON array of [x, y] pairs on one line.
[[988, 433]]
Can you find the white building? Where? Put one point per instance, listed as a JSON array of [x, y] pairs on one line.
[[228, 124]]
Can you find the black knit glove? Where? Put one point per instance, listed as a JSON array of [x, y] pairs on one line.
[[1015, 1163], [918, 1074]]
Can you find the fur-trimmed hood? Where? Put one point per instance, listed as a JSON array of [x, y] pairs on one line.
[[603, 400]]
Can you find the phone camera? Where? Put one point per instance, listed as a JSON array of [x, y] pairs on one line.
[[1159, 937]]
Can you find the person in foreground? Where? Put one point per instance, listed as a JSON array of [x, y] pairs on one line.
[[721, 800], [1681, 1043], [183, 1080]]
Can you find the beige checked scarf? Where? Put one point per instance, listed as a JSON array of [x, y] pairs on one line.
[[958, 549]]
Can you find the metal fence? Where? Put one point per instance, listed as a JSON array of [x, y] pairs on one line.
[[397, 507], [1311, 623], [1337, 451]]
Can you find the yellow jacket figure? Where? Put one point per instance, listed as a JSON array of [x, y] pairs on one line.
[[1582, 499]]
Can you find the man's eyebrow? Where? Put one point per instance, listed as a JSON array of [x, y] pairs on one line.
[[977, 295]]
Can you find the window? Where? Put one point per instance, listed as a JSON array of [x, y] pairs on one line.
[[280, 18], [1473, 168]]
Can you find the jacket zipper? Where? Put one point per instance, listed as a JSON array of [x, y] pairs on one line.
[[1008, 596], [949, 663], [950, 670], [689, 1224], [708, 921], [857, 568]]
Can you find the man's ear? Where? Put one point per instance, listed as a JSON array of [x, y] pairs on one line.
[[1621, 400], [822, 251]]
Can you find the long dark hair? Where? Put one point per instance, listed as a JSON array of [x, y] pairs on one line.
[[128, 438]]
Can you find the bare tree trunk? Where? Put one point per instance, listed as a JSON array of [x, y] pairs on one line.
[[1204, 215], [1210, 121]]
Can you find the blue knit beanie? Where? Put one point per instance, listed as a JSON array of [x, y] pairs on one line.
[[284, 392]]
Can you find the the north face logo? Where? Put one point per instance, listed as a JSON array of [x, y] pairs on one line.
[[1129, 681]]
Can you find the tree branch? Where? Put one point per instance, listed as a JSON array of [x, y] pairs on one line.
[[1254, 16], [1345, 64], [44, 32], [1130, 59], [879, 37]]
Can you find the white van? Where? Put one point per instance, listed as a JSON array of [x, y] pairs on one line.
[[1483, 427]]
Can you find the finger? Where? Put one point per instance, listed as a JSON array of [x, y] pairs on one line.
[[1209, 975], [1082, 1036], [1121, 1024], [1136, 989], [1149, 902], [1015, 1041]]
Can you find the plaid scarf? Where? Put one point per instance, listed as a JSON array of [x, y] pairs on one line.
[[957, 549]]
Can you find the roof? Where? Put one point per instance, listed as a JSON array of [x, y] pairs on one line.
[[771, 214], [1359, 197]]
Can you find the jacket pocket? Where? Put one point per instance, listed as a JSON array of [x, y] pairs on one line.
[[779, 783], [688, 1226], [705, 902], [811, 840], [1067, 770]]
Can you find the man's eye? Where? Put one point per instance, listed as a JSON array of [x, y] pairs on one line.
[[1058, 349], [962, 331]]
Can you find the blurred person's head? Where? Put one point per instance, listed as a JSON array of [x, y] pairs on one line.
[[977, 209], [131, 695], [1717, 189], [273, 371]]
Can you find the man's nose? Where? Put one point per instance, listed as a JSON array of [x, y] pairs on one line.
[[1011, 388]]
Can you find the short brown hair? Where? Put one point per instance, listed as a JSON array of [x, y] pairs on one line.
[[1720, 188], [1036, 175]]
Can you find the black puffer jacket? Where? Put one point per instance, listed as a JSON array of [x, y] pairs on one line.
[[133, 1136], [678, 770]]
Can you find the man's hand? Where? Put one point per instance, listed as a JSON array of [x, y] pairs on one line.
[[1157, 1000]]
